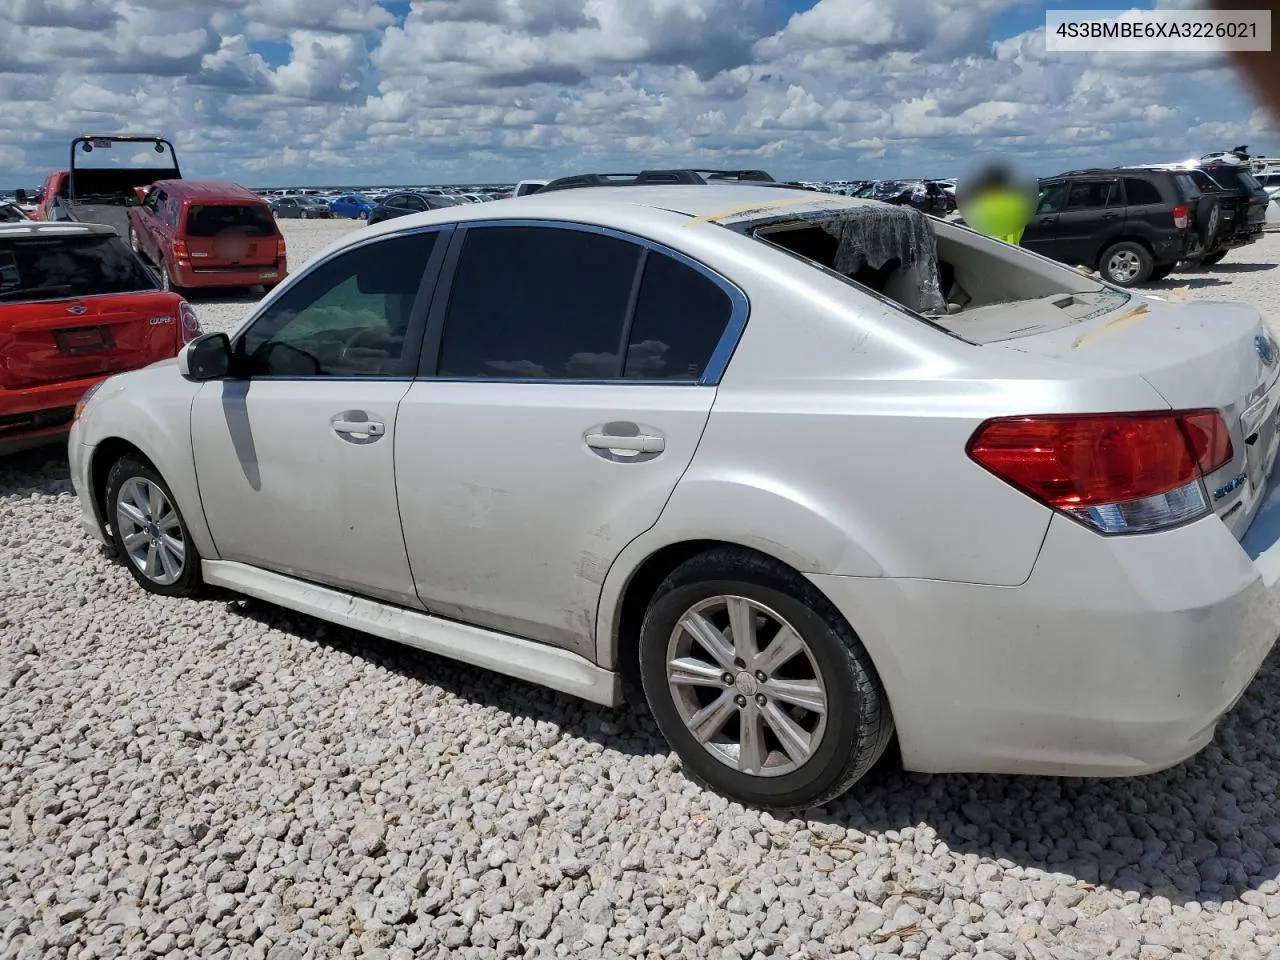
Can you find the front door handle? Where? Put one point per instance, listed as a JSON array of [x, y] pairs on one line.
[[1110, 216], [355, 426], [637, 444]]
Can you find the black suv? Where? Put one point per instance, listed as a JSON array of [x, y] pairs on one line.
[[1132, 225]]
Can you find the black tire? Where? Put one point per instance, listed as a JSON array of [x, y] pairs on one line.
[[1159, 273], [1208, 220], [166, 279], [122, 473], [1129, 253], [858, 724], [1208, 260]]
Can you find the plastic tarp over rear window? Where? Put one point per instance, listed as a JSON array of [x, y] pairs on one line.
[[888, 248]]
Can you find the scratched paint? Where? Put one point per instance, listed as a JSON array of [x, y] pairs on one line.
[[1112, 327]]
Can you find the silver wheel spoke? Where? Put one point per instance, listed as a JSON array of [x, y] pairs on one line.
[[794, 739], [752, 753], [695, 673], [149, 565], [174, 547], [800, 693], [134, 515], [167, 561], [136, 540], [710, 720], [711, 639], [132, 512], [785, 644], [155, 501], [742, 629], [170, 522]]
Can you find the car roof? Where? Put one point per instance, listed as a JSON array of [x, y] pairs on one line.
[[208, 190], [638, 208], [54, 228]]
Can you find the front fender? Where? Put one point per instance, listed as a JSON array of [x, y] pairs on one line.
[[150, 409]]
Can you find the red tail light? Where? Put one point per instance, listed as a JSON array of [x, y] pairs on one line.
[[280, 249], [1119, 473], [180, 250], [189, 323], [1181, 216]]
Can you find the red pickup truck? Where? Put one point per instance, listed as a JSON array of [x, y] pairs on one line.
[[206, 233]]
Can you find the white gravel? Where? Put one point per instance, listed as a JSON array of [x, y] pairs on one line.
[[220, 778]]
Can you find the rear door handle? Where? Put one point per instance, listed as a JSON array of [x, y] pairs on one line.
[[638, 444]]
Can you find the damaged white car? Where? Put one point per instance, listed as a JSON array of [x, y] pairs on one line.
[[825, 471]]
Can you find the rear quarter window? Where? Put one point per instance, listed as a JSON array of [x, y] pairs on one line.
[[1139, 192]]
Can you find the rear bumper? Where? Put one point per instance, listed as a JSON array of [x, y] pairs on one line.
[[1118, 656], [1242, 237], [187, 276], [33, 416]]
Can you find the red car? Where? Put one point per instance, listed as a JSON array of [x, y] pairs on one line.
[[75, 307], [206, 233]]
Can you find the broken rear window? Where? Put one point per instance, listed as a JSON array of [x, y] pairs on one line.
[[974, 287]]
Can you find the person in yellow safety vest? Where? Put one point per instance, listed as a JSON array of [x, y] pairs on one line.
[[996, 203]]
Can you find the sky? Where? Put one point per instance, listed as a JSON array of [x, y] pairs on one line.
[[307, 92]]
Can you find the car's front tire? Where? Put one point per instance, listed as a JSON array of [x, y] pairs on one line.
[[1126, 264], [759, 684], [150, 535]]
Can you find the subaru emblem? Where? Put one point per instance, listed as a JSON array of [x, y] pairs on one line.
[[1266, 349], [80, 308]]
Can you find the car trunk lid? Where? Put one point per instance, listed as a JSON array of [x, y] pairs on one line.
[[73, 339], [1196, 355]]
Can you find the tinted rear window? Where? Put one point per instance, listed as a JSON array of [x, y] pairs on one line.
[[33, 268], [1233, 179], [1138, 192], [246, 219]]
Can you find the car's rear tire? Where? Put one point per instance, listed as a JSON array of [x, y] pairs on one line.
[[1216, 257], [150, 535], [817, 721], [134, 245], [1126, 264], [166, 279]]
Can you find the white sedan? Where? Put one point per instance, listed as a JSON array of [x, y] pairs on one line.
[[825, 471]]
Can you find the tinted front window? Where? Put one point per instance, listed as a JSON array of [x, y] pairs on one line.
[[47, 269], [680, 317], [1138, 192], [1089, 194], [1052, 197], [347, 318], [248, 220], [538, 303]]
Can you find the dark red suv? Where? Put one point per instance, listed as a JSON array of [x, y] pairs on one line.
[[207, 233]]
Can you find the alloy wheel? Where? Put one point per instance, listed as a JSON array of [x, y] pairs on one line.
[[1124, 266], [747, 686], [150, 530]]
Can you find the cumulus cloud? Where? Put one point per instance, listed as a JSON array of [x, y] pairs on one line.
[[458, 90]]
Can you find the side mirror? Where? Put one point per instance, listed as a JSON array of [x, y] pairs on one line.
[[207, 357], [20, 196]]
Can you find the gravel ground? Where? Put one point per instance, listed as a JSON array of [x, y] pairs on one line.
[[220, 778]]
